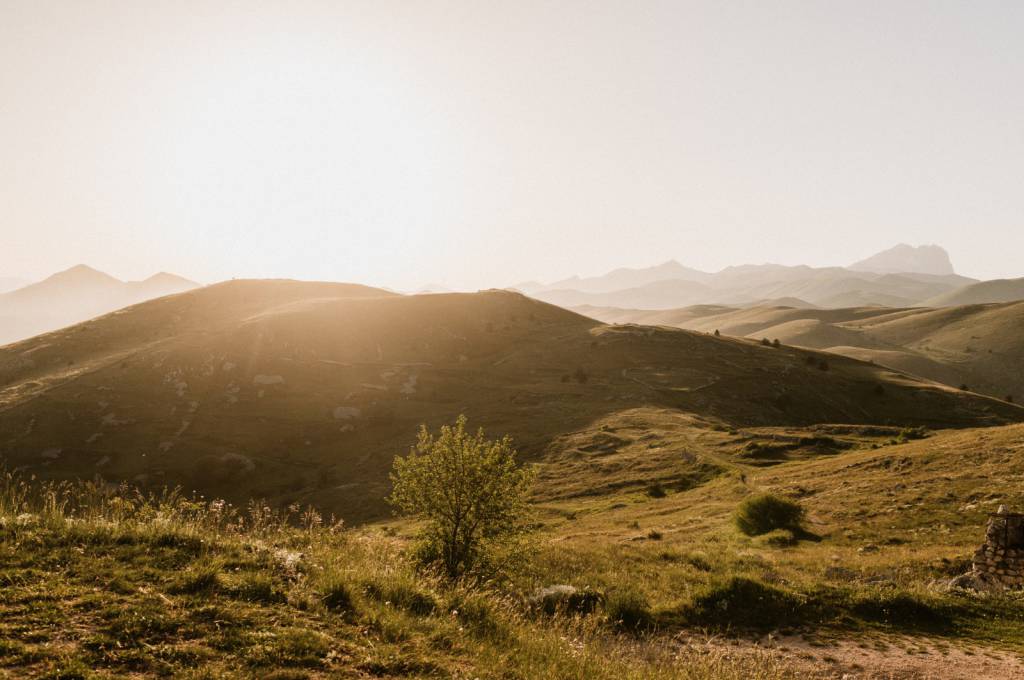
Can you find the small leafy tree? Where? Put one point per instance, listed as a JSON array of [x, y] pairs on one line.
[[469, 490]]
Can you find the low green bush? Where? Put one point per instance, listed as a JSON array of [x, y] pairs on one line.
[[656, 490], [766, 512]]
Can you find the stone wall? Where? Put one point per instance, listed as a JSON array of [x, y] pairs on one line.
[[1000, 561]]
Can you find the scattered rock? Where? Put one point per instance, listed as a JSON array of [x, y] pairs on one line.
[[346, 412], [112, 419], [409, 386], [565, 598]]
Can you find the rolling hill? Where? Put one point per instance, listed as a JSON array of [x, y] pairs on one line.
[[999, 290], [75, 295], [980, 346], [305, 391]]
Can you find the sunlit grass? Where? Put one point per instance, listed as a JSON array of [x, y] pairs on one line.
[[110, 581]]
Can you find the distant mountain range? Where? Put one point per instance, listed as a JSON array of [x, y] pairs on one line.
[[903, 258], [75, 295], [903, 276]]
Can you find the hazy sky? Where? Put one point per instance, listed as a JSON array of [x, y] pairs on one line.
[[481, 143]]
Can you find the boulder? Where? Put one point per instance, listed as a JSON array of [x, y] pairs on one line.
[[565, 599]]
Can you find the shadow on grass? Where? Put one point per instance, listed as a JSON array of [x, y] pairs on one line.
[[741, 603]]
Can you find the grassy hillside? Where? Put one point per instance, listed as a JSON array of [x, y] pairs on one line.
[[981, 292], [978, 345], [101, 583], [104, 582], [984, 344], [304, 392]]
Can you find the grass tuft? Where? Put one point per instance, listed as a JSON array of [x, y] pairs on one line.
[[628, 609], [336, 593]]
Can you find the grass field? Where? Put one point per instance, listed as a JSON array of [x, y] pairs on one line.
[[104, 583]]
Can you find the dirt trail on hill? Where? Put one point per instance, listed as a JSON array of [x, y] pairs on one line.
[[878, 657]]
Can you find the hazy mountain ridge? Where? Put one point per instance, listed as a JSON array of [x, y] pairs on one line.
[[930, 259], [74, 295], [9, 283], [902, 276]]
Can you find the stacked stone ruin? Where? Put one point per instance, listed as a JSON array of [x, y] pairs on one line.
[[1000, 561]]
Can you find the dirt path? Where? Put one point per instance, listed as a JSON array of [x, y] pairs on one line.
[[878, 657]]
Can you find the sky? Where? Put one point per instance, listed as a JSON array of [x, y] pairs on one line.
[[478, 144]]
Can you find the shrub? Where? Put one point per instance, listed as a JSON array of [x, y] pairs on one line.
[[776, 344], [911, 433], [717, 334], [629, 609], [965, 388], [766, 342], [764, 513], [656, 490], [580, 376], [470, 491], [823, 365]]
